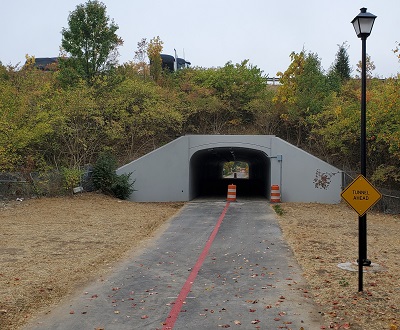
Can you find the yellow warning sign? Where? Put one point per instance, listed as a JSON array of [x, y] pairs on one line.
[[361, 195]]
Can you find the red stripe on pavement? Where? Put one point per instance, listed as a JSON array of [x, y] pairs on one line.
[[176, 309]]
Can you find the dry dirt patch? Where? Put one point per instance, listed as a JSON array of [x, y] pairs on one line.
[[50, 247], [322, 236]]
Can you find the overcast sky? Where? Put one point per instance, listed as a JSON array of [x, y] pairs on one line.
[[209, 33]]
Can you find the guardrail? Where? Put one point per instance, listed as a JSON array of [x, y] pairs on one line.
[[273, 80]]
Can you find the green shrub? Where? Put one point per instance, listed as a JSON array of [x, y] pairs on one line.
[[121, 187], [107, 181], [71, 178], [104, 172]]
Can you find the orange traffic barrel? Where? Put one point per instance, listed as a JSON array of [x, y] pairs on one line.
[[275, 194], [231, 193]]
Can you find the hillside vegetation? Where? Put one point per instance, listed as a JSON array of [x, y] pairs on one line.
[[65, 115], [45, 125]]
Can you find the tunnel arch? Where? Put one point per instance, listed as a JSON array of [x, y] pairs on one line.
[[205, 172]]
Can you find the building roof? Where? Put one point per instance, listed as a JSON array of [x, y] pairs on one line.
[[42, 63]]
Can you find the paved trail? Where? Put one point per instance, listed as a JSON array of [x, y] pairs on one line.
[[216, 265]]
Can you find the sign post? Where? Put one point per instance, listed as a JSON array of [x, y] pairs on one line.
[[361, 195]]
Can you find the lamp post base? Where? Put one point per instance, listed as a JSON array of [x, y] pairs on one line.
[[352, 266], [365, 262]]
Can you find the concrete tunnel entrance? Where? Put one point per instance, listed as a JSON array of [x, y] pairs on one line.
[[206, 172], [192, 166]]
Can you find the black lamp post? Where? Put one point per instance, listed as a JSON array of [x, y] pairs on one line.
[[363, 24]]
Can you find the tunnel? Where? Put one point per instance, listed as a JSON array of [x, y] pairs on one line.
[[193, 166], [206, 172]]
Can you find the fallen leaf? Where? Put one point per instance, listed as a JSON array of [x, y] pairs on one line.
[[224, 325], [237, 322], [144, 317], [255, 321]]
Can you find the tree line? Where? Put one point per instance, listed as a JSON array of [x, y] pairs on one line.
[[65, 117]]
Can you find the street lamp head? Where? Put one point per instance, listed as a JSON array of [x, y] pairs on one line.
[[363, 23]]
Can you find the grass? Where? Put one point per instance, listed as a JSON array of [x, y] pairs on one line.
[[278, 209]]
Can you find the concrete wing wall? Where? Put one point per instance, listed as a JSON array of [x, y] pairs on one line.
[[303, 177], [162, 175]]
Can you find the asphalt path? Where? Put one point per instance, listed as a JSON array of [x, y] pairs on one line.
[[214, 265]]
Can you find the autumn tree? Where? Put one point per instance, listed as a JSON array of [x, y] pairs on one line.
[[287, 91], [90, 41], [140, 57], [383, 131], [154, 49], [139, 116], [370, 67], [24, 118], [396, 50], [336, 128], [303, 92], [81, 131], [235, 86], [267, 118]]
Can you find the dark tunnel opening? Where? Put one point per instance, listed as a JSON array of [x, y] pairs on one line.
[[206, 172]]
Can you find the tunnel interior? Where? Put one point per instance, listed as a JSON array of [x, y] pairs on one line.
[[206, 172]]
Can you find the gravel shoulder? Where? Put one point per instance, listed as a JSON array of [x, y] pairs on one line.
[[51, 247]]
